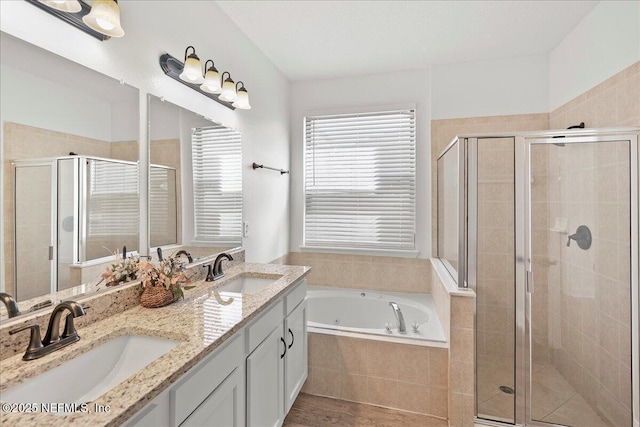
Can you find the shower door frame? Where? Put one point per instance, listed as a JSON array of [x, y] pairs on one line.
[[524, 278]]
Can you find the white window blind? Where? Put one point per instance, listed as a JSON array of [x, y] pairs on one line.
[[360, 180], [113, 199], [217, 184]]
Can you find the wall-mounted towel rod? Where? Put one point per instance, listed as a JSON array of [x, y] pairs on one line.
[[257, 166]]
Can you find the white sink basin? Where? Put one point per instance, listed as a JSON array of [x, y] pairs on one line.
[[247, 285], [91, 374]]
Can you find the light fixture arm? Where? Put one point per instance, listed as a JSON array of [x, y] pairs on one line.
[[187, 51], [227, 73], [240, 82], [213, 65]]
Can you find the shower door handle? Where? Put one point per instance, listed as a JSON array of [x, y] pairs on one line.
[[529, 282]]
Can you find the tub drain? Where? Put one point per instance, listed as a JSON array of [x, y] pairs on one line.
[[506, 389]]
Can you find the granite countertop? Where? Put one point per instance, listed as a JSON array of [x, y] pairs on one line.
[[183, 321]]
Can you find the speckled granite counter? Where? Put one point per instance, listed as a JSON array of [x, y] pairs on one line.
[[183, 321]]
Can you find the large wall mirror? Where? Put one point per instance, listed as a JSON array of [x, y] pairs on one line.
[[196, 167], [70, 170]]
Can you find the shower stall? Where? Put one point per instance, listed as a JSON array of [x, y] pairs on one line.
[[543, 226]]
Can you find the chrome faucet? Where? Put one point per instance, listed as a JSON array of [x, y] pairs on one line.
[[10, 304], [399, 317], [217, 265], [185, 253], [52, 340]]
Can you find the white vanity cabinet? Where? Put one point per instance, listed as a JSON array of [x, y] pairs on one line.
[[277, 362], [253, 379], [211, 393]]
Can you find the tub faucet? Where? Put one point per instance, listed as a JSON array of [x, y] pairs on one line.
[[399, 317], [10, 304]]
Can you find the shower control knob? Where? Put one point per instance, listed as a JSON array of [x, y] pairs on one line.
[[387, 327]]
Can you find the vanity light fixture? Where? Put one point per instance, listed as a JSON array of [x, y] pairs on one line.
[[105, 18], [211, 79], [221, 89], [72, 6], [242, 102], [228, 88], [192, 70], [100, 20]]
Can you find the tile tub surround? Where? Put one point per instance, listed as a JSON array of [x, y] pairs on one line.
[[182, 321], [375, 273], [400, 376]]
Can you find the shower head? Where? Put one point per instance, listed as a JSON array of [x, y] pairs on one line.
[[561, 144]]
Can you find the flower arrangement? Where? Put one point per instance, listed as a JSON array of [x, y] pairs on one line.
[[122, 270], [168, 274]]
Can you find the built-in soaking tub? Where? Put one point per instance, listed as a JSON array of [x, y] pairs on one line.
[[367, 314]]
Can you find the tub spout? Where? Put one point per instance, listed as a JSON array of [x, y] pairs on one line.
[[399, 317]]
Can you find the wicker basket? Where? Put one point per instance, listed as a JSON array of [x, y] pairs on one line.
[[156, 296]]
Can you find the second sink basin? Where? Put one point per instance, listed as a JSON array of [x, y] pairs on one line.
[[246, 285], [91, 374]]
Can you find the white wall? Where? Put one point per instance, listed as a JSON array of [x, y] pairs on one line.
[[361, 93], [62, 110], [134, 59], [605, 42], [490, 88]]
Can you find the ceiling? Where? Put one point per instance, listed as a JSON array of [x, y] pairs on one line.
[[310, 40]]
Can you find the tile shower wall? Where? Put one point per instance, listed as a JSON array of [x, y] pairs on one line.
[[614, 102], [18, 143], [590, 311]]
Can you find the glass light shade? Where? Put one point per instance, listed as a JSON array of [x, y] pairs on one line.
[[242, 103], [192, 71], [105, 18], [211, 82], [71, 6], [228, 91]]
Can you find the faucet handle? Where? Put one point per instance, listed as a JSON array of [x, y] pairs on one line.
[[69, 327], [387, 327], [209, 272], [35, 342]]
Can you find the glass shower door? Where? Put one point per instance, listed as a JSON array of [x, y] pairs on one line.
[[579, 295]]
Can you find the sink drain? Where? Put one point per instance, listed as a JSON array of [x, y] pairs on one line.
[[506, 389]]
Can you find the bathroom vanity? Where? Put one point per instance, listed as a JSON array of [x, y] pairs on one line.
[[241, 357]]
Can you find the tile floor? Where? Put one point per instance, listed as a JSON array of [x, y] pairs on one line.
[[554, 399]]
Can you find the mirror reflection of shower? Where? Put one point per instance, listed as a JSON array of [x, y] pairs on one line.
[[82, 210]]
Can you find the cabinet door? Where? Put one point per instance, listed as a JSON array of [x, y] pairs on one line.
[[223, 407], [265, 382], [296, 362]]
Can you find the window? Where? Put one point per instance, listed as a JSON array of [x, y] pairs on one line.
[[113, 201], [217, 184], [360, 180]]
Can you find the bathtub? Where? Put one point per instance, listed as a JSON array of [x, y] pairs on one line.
[[364, 314]]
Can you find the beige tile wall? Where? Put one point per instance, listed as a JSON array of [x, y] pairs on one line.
[[614, 102], [456, 312], [407, 377], [365, 272]]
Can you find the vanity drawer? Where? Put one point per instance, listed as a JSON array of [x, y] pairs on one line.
[[296, 296], [187, 395], [264, 325]]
